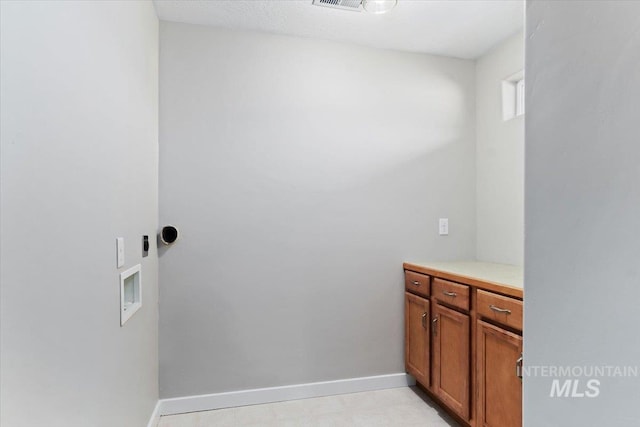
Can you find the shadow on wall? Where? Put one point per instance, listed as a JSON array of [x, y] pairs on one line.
[[298, 290]]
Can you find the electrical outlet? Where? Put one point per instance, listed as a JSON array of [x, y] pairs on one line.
[[444, 226]]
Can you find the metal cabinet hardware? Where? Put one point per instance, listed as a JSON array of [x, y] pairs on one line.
[[499, 310], [519, 367], [424, 319], [450, 294], [415, 282], [434, 325]]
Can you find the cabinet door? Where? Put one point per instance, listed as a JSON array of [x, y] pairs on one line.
[[451, 359], [500, 390], [416, 340]]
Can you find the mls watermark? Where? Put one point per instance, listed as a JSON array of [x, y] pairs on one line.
[[579, 381]]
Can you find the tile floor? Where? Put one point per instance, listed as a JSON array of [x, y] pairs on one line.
[[398, 407]]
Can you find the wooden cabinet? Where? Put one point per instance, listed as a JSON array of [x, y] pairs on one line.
[[500, 309], [499, 389], [463, 338], [417, 283], [417, 337], [451, 359], [453, 294]]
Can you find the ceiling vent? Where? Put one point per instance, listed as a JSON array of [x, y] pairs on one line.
[[340, 4]]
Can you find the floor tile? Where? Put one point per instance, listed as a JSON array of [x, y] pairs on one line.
[[398, 407]]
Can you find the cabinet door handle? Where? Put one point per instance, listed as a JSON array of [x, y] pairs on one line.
[[424, 320], [450, 294], [499, 310], [416, 283], [434, 325], [519, 367]]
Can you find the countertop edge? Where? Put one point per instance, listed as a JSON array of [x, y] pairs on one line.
[[488, 285]]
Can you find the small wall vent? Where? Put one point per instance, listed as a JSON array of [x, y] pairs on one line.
[[353, 5]]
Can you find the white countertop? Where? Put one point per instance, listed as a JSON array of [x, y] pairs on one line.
[[509, 275]]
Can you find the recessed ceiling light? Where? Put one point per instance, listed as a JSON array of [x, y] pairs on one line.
[[379, 6]]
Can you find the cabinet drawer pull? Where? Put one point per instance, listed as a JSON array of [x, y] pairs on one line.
[[434, 325], [450, 294], [424, 318], [499, 310], [416, 283], [519, 367]]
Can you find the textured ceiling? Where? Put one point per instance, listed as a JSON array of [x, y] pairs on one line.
[[463, 29]]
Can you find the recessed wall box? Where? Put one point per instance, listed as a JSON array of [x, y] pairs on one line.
[[130, 293]]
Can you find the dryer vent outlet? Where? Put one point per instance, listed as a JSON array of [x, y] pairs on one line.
[[169, 234]]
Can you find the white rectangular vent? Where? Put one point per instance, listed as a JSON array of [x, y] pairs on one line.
[[340, 4]]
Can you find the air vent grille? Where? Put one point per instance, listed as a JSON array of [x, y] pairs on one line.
[[353, 5]]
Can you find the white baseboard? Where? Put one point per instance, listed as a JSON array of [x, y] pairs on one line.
[[207, 402], [155, 416]]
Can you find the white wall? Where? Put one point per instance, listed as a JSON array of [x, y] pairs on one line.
[[79, 168], [302, 174], [582, 268], [500, 159]]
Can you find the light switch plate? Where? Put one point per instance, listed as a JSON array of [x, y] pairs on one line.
[[120, 251], [444, 226]]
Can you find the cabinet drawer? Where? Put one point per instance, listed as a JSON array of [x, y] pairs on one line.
[[417, 283], [454, 294], [500, 309]]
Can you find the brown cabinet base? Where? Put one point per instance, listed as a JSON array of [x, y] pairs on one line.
[[443, 406], [462, 343], [499, 389], [451, 359], [417, 338]]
